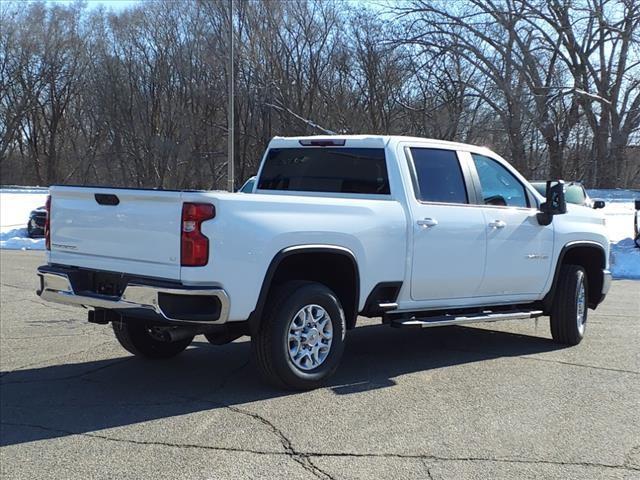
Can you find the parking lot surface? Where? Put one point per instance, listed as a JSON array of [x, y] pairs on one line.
[[491, 401]]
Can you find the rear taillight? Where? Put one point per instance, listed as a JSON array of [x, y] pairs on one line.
[[194, 245], [47, 224]]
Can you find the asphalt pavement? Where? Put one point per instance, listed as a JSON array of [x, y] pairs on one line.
[[491, 401]]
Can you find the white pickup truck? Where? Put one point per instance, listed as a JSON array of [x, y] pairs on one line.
[[419, 232]]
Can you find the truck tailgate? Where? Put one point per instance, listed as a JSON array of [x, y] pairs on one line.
[[119, 230]]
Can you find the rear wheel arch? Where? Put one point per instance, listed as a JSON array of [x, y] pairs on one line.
[[590, 256], [333, 266]]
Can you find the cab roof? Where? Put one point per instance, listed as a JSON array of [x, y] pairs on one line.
[[369, 141]]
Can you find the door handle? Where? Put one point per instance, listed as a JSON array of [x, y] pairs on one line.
[[428, 222], [497, 224]]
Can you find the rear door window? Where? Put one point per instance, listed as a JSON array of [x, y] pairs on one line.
[[438, 176], [331, 170]]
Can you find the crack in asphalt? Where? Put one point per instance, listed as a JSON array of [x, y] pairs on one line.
[[628, 458], [317, 471], [311, 454], [538, 359], [14, 300], [472, 459], [563, 362], [52, 307], [32, 291], [427, 468], [57, 379], [612, 315], [302, 460], [140, 442], [104, 404], [14, 286], [299, 457], [36, 337]]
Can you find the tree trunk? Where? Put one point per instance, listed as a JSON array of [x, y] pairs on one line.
[[556, 167]]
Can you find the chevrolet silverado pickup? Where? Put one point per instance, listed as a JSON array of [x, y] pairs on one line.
[[419, 232]]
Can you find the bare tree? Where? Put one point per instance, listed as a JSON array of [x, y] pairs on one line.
[[139, 97], [600, 45]]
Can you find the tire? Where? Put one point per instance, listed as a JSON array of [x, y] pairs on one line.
[[569, 311], [30, 232], [307, 360], [136, 338]]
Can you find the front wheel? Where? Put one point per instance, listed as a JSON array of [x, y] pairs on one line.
[[569, 311], [148, 341], [301, 339]]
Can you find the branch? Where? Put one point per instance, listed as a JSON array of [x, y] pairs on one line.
[[307, 121]]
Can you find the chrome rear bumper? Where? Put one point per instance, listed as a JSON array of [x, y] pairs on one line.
[[57, 287]]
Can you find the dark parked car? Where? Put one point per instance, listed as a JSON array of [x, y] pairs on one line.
[[636, 223], [35, 227], [574, 193]]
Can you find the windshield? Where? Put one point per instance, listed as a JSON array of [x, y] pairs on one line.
[[574, 192], [541, 188]]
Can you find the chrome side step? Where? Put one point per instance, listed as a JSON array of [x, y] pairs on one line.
[[462, 319], [386, 307]]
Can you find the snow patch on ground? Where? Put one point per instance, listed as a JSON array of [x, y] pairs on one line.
[[15, 206], [619, 212], [625, 259], [17, 203], [17, 239]]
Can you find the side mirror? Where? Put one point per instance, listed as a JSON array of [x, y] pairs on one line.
[[598, 204], [555, 204]]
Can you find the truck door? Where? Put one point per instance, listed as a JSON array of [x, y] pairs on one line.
[[449, 234], [519, 249]]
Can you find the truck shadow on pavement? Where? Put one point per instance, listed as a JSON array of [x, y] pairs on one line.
[[85, 398]]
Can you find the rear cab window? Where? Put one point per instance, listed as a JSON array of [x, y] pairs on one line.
[[326, 169]]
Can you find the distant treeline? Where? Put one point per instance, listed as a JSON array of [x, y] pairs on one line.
[[139, 97]]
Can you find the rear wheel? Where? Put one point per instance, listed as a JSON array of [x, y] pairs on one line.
[[301, 338], [148, 341], [569, 311]]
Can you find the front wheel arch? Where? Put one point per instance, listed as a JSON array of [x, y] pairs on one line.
[[588, 255]]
